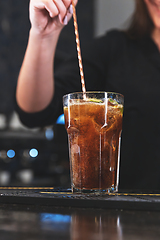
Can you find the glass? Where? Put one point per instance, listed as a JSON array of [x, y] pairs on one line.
[[94, 123]]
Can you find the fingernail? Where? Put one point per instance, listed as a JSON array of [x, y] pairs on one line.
[[65, 21], [70, 9]]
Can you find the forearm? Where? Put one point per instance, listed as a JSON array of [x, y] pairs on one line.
[[35, 87]]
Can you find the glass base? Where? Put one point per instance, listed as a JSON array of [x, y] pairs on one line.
[[95, 191]]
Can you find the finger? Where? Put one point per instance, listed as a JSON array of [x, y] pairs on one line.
[[68, 4], [69, 11], [46, 5], [65, 15], [62, 8], [74, 2], [68, 14]]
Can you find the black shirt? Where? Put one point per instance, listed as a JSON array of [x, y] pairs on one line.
[[116, 63]]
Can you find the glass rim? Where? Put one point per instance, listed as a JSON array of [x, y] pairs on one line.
[[92, 92]]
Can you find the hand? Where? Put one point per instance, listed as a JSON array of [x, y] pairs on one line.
[[48, 16]]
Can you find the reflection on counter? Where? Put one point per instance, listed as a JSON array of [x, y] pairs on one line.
[[83, 226], [93, 227], [65, 224], [42, 222], [37, 157]]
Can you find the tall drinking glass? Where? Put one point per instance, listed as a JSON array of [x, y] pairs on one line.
[[93, 121]]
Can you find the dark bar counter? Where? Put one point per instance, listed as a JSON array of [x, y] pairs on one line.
[[48, 213]]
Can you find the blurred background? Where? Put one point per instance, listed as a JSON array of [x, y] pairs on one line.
[[39, 157]]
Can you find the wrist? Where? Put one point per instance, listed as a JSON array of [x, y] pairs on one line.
[[41, 48], [44, 37]]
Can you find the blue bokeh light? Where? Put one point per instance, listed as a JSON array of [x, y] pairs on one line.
[[11, 153], [56, 218], [49, 133], [60, 119], [33, 152]]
